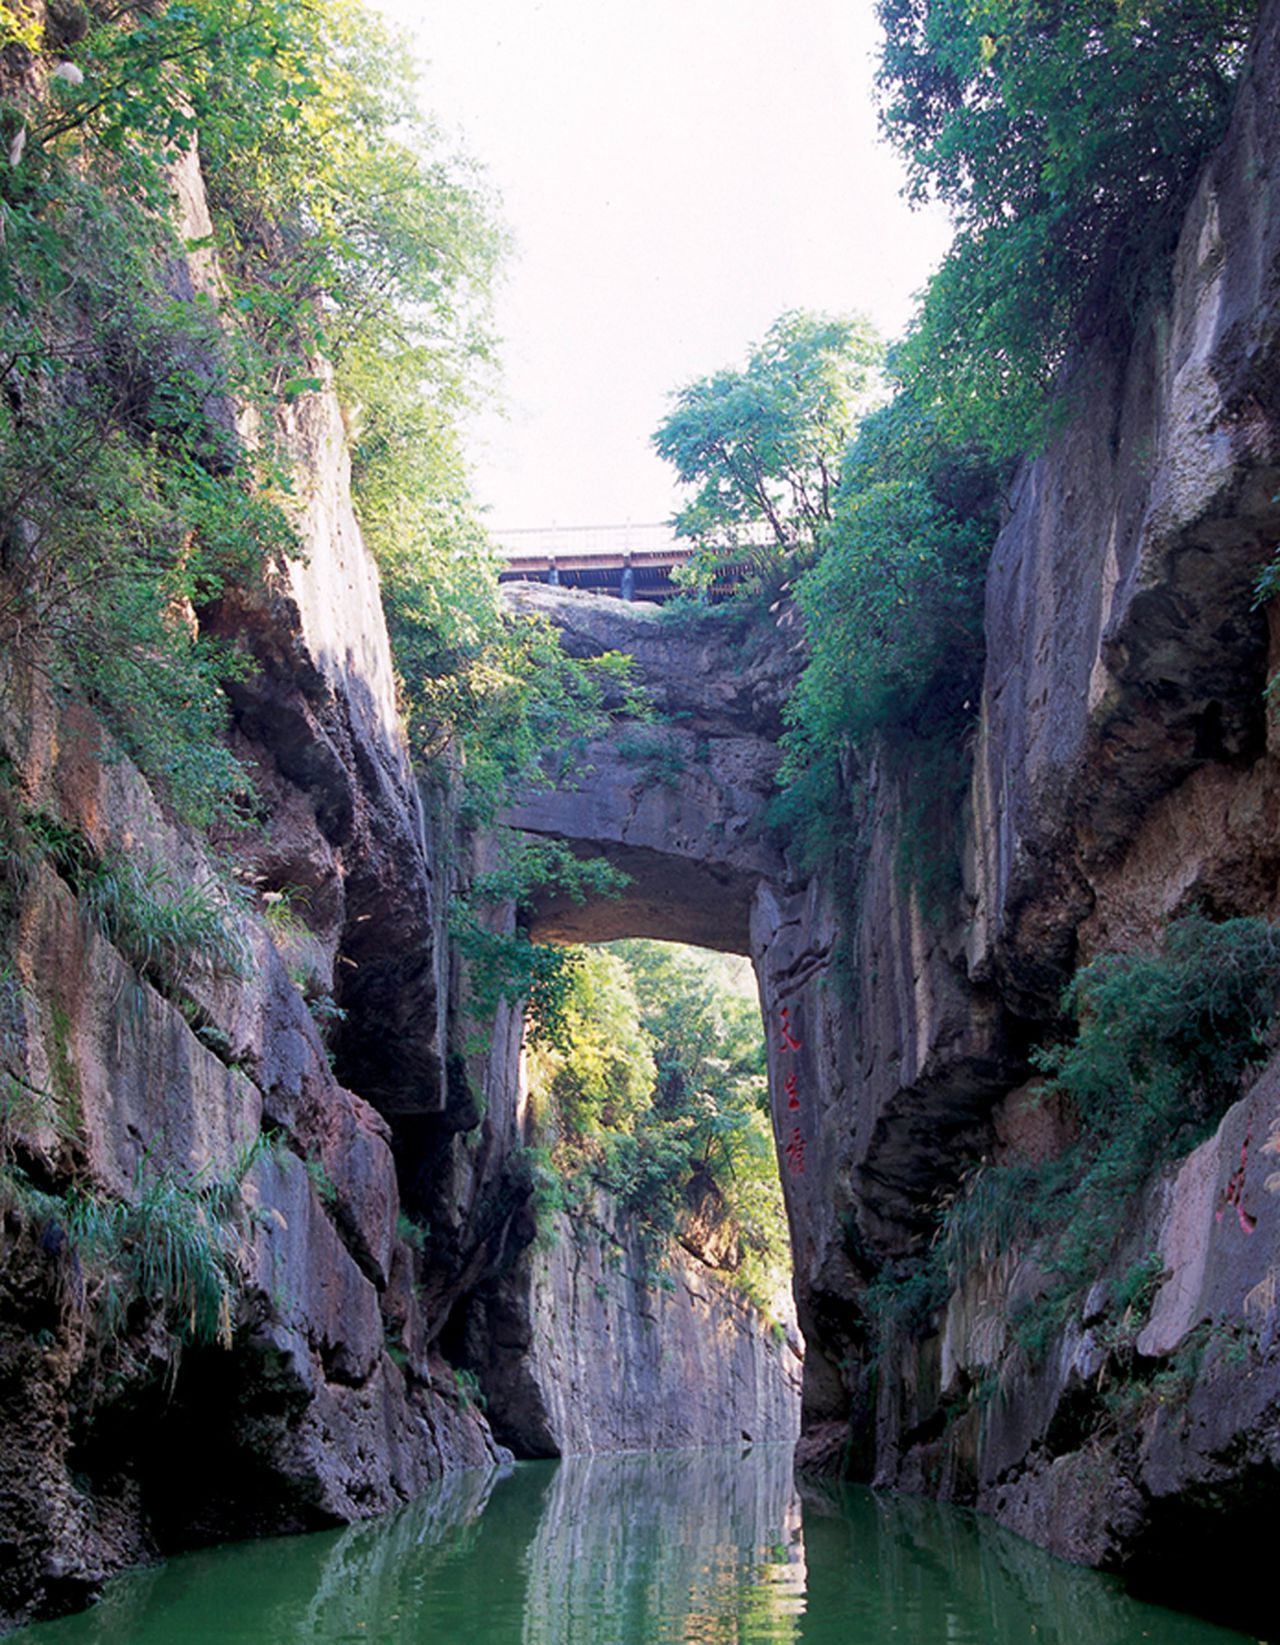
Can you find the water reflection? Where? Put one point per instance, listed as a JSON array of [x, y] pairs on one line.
[[657, 1548], [701, 1548]]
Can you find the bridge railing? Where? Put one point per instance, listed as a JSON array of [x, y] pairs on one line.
[[629, 561], [557, 541]]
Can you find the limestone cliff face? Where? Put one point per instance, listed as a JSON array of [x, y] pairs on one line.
[[322, 1077], [327, 1405], [676, 804], [1123, 773], [582, 1349], [1124, 770]]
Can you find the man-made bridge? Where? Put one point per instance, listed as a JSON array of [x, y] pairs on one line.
[[629, 562]]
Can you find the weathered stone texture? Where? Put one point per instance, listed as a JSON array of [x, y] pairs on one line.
[[582, 1348], [1124, 773], [1124, 650], [329, 1405], [676, 804]]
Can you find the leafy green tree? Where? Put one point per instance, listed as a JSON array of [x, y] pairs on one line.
[[657, 1092], [126, 503], [762, 446], [604, 1073], [1064, 136], [893, 606], [356, 248]]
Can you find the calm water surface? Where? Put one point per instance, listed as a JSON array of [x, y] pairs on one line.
[[705, 1548]]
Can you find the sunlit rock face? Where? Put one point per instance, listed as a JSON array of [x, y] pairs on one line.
[[1125, 772], [676, 803], [323, 1407], [585, 1349]]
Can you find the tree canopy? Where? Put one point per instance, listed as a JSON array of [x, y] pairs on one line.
[[656, 1092], [762, 446], [1063, 135]]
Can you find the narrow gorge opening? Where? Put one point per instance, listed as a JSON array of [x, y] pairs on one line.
[[653, 1307]]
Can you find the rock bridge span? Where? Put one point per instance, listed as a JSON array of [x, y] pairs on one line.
[[676, 803], [877, 1066]]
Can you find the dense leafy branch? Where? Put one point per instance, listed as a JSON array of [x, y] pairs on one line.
[[762, 446], [1064, 136]]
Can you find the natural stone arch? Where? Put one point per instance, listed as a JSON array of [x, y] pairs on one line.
[[677, 804]]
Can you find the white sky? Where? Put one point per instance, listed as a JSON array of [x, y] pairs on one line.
[[676, 173]]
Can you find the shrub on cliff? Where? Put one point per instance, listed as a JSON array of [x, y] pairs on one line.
[[1160, 1044], [352, 247], [893, 606], [762, 447], [1064, 136]]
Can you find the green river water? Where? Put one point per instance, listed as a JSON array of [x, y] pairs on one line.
[[708, 1548]]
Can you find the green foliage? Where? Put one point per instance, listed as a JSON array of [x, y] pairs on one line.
[[602, 1071], [324, 1185], [1167, 1034], [509, 965], [657, 756], [763, 445], [414, 1234], [356, 235], [171, 1250], [526, 866], [123, 515], [893, 606], [467, 1388], [172, 1247], [169, 927], [353, 243], [128, 501], [1064, 137], [893, 613], [1162, 1041], [657, 1093]]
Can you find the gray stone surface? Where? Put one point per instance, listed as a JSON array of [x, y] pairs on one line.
[[583, 1348]]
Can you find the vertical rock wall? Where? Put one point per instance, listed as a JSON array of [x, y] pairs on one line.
[[327, 1405], [1124, 772], [584, 1348]]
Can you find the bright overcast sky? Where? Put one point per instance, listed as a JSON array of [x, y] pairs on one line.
[[676, 174]]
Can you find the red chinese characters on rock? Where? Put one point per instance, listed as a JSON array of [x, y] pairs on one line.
[[794, 1147], [1234, 1193]]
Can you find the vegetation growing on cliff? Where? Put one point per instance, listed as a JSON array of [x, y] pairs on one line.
[[763, 446], [1160, 1044], [657, 1094], [1064, 138], [145, 467]]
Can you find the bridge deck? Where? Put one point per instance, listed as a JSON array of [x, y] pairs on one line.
[[629, 562]]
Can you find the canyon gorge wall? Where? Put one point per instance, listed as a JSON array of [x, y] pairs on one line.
[[1123, 773], [310, 1099], [133, 1076]]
